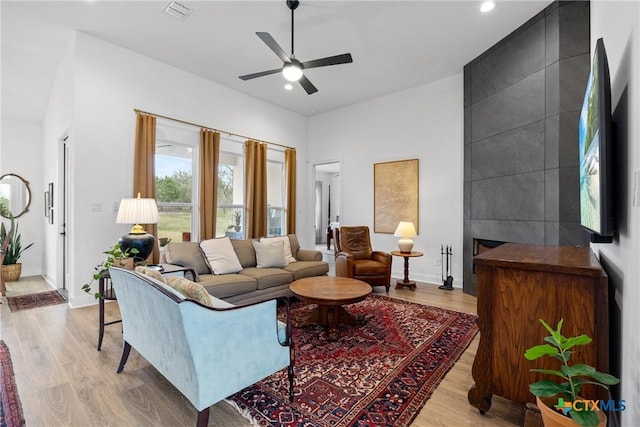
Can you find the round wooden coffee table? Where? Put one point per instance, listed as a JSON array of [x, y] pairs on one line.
[[330, 294]]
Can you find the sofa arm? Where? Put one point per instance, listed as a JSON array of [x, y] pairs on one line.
[[344, 265], [309, 255], [179, 270]]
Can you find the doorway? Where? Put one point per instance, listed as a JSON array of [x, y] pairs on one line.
[[63, 203], [327, 202]]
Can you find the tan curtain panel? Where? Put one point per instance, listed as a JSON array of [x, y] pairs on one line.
[[256, 188], [209, 159], [144, 168], [290, 177]]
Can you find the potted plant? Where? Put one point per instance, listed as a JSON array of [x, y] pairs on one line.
[[237, 218], [116, 257], [573, 378], [12, 269]]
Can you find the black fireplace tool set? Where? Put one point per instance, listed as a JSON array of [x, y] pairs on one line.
[[446, 251]]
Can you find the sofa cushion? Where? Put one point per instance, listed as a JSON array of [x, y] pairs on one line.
[[228, 285], [302, 269], [151, 272], [220, 255], [268, 277], [245, 252], [295, 246], [187, 254], [190, 289], [367, 267], [286, 246], [269, 254]]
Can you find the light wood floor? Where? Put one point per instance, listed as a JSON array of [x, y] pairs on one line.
[[63, 381]]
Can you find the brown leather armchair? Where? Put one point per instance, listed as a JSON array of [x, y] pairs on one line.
[[356, 259]]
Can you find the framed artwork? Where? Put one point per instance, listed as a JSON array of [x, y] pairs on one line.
[[46, 204], [51, 216], [395, 195], [51, 194]]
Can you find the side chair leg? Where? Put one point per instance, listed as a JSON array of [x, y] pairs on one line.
[[126, 348], [203, 418]]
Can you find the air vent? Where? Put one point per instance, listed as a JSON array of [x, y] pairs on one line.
[[177, 10]]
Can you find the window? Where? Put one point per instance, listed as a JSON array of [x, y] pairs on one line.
[[176, 192], [230, 219], [275, 197]]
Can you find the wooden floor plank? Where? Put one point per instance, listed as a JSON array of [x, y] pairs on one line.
[[64, 381]]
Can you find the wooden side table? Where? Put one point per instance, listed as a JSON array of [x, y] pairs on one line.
[[406, 282], [106, 291]]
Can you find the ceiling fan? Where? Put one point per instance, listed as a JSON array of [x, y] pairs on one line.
[[291, 67]]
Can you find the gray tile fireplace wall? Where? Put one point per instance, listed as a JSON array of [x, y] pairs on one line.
[[522, 100]]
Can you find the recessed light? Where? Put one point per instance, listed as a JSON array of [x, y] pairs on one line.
[[288, 86], [487, 6]]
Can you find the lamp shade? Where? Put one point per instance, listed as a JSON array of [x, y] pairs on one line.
[[406, 230], [137, 211]]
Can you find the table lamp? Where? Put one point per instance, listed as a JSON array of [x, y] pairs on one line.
[[407, 231], [138, 211]]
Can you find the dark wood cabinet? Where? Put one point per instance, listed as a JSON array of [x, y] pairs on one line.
[[519, 284]]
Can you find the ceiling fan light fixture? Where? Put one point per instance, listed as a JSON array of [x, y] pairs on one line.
[[292, 72]]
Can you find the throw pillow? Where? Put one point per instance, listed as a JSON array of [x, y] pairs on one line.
[[151, 273], [220, 256], [288, 256], [269, 254], [189, 289]]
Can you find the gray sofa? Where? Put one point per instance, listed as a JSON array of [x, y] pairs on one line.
[[252, 284]]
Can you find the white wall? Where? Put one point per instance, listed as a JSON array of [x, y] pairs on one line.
[[618, 23], [109, 83], [57, 125], [21, 141], [425, 122]]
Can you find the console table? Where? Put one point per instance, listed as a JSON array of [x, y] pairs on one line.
[[519, 284]]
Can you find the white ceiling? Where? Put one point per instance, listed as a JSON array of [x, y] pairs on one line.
[[395, 44]]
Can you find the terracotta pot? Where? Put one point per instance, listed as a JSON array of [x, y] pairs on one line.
[[11, 272], [553, 418], [126, 263]]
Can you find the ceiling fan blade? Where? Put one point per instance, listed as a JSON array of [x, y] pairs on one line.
[[345, 58], [307, 85], [260, 74], [274, 46]]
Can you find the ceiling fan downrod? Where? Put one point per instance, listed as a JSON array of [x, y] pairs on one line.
[[293, 5]]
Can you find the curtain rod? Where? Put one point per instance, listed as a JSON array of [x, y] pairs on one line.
[[208, 127]]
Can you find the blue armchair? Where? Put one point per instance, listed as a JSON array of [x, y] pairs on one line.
[[206, 353]]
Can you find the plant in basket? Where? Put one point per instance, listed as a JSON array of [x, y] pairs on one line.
[[573, 377], [13, 250]]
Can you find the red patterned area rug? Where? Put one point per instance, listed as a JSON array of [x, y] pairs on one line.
[[10, 407], [41, 299], [377, 374]]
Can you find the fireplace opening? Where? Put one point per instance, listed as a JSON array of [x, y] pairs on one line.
[[483, 245]]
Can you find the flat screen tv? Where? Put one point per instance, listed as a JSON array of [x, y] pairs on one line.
[[595, 136]]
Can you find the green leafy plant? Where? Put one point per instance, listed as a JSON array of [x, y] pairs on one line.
[[114, 254], [573, 376], [15, 249]]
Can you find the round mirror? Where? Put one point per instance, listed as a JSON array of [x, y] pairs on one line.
[[15, 195]]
